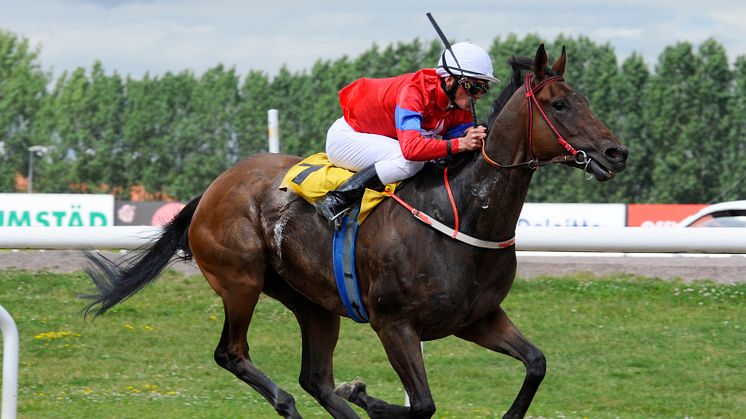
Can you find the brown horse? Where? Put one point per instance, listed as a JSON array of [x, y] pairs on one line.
[[247, 236]]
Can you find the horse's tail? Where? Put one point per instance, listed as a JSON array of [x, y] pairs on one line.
[[117, 281]]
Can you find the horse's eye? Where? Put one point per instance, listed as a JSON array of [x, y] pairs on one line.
[[559, 105]]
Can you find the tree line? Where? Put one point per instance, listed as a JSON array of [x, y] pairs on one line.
[[683, 121]]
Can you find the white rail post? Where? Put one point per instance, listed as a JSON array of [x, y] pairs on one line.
[[10, 364], [273, 130]]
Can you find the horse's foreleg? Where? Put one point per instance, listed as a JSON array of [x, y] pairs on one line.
[[497, 332], [402, 347], [232, 352]]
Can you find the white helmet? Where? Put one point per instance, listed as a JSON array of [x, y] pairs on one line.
[[471, 61]]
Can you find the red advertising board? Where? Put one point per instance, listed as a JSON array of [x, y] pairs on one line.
[[659, 215]]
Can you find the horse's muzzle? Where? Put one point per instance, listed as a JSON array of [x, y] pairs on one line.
[[605, 165]]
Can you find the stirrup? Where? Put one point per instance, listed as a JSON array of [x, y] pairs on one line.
[[336, 220], [339, 215]]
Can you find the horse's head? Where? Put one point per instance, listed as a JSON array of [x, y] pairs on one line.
[[559, 124], [564, 123]]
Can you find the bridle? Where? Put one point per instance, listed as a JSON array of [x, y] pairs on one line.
[[576, 156]]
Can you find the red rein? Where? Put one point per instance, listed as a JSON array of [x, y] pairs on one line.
[[530, 100]]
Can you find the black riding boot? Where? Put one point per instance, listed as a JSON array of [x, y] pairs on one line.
[[336, 202]]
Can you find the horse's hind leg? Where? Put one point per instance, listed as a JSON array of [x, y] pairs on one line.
[[497, 332], [232, 353], [403, 349]]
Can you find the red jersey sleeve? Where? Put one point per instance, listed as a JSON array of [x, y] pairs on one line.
[[410, 106]]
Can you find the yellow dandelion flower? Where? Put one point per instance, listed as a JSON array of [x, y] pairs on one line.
[[56, 335]]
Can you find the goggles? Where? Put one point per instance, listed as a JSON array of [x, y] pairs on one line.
[[474, 87]]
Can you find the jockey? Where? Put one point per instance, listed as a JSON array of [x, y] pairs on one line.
[[392, 126]]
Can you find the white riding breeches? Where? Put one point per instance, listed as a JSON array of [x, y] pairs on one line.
[[355, 151]]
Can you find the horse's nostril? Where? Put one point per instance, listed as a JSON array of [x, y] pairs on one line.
[[616, 153]]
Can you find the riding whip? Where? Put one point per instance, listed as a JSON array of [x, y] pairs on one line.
[[445, 66]]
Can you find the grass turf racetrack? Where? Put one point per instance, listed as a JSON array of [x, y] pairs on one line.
[[618, 346]]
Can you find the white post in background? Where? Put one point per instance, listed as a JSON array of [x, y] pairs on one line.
[[10, 364], [274, 131], [38, 150]]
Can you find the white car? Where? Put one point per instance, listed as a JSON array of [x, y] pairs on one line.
[[724, 214]]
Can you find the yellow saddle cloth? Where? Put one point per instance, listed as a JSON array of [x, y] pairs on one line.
[[313, 177]]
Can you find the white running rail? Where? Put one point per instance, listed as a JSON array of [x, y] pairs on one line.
[[544, 239]]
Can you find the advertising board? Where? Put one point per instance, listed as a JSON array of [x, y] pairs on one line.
[[572, 215], [56, 210], [153, 213], [659, 215]]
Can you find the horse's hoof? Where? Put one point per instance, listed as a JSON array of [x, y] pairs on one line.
[[350, 391]]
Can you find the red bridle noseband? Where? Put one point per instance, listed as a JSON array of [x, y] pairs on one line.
[[575, 155]]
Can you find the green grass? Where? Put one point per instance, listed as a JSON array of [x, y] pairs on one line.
[[616, 347]]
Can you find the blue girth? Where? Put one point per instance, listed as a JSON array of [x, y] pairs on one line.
[[343, 257]]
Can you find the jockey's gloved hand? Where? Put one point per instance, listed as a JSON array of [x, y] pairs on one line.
[[472, 139]]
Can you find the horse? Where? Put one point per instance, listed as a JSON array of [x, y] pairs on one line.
[[249, 237]]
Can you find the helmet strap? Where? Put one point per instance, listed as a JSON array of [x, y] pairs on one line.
[[450, 91]]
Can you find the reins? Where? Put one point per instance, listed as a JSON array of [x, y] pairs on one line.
[[577, 156], [454, 232]]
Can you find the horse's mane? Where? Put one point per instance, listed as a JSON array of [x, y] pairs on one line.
[[518, 64]]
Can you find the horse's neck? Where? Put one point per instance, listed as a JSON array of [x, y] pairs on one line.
[[488, 199], [491, 198]]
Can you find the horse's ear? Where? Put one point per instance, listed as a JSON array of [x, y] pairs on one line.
[[540, 63], [561, 64]]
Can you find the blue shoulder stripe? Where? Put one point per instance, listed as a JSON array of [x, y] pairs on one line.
[[407, 120]]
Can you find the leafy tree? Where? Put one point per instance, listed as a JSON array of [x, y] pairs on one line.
[[105, 107], [22, 90], [287, 96], [64, 125], [688, 123], [733, 152], [82, 121], [714, 81], [366, 63], [254, 93], [209, 144], [631, 87], [145, 134], [667, 111]]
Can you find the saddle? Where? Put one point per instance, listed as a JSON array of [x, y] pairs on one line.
[[315, 176]]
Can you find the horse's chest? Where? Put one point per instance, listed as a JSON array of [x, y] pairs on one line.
[[442, 305]]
